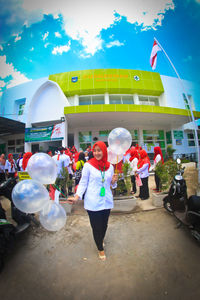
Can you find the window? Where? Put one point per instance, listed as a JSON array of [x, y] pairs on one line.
[[85, 139], [147, 100], [134, 134], [21, 109], [121, 99], [191, 139], [152, 137], [91, 100], [186, 102], [19, 106], [16, 146]]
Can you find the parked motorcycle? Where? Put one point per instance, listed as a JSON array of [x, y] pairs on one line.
[[9, 232], [186, 210]]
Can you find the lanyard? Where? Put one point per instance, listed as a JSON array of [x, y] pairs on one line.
[[102, 191]]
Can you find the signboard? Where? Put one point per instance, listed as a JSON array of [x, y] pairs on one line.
[[178, 134], [23, 175], [149, 148], [179, 142], [50, 133]]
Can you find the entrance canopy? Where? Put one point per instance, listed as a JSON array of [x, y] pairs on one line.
[[121, 115], [8, 127]]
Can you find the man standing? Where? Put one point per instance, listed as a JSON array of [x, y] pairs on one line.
[[62, 161]]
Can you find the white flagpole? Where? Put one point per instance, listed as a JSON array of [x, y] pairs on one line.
[[192, 115]]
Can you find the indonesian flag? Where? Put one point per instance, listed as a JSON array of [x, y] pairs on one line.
[[153, 57]]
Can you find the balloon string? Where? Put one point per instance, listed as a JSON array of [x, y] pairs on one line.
[[116, 171], [60, 191]]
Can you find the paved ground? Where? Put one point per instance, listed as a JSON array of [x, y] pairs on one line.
[[147, 258]]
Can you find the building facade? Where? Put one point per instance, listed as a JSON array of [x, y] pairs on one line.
[[78, 108]]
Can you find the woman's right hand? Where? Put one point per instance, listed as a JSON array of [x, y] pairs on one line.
[[72, 200]]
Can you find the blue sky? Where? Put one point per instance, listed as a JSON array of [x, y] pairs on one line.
[[43, 37]]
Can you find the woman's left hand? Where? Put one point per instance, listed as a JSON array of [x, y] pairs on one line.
[[114, 178]]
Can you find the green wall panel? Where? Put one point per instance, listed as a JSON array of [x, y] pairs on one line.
[[119, 81]]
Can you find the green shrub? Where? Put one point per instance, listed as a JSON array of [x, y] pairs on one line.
[[166, 173]]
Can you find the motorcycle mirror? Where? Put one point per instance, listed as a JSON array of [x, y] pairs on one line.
[[178, 161]]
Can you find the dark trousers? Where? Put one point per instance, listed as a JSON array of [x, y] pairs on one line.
[[134, 189], [99, 224], [144, 189], [2, 177], [157, 181]]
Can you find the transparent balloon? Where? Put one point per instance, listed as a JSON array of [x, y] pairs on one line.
[[119, 140], [29, 196], [114, 158], [42, 167], [53, 216]]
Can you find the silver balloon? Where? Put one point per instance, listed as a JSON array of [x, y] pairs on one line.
[[114, 158], [42, 168], [29, 196], [119, 140], [53, 216]]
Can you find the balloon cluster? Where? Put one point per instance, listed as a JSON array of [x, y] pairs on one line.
[[119, 141], [31, 196]]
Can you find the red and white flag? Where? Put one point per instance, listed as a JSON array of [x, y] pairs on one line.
[[153, 57]]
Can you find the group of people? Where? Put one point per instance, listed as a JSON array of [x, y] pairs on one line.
[[140, 167], [95, 178]]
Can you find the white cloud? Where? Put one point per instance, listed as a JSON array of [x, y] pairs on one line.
[[18, 38], [84, 20], [57, 34], [115, 43], [60, 49], [32, 49], [1, 48], [45, 36], [46, 45], [8, 69]]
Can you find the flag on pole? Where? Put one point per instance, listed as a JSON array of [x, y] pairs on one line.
[[153, 57]]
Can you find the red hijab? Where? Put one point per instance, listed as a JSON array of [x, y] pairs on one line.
[[134, 154], [157, 150], [103, 163], [26, 157], [144, 159], [10, 159]]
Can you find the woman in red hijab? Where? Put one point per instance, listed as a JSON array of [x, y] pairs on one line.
[[97, 179], [158, 156], [10, 166], [134, 158], [143, 171], [25, 160]]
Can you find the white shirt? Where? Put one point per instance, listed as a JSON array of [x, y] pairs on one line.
[[8, 167], [156, 160], [144, 171], [63, 161], [91, 182], [133, 165]]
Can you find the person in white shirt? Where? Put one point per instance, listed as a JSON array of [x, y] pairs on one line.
[[143, 171], [97, 179], [158, 156], [62, 161], [134, 158], [10, 166]]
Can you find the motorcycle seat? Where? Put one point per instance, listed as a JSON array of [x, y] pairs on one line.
[[194, 203]]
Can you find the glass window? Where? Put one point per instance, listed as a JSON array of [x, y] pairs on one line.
[[11, 149], [85, 137], [154, 136], [84, 146], [21, 109], [169, 137], [20, 142], [98, 99], [115, 99], [147, 100], [127, 99], [85, 100], [104, 133], [11, 142], [191, 143]]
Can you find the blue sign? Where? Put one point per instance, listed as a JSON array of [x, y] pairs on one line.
[[74, 79]]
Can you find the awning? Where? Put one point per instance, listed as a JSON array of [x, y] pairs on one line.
[[9, 127]]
